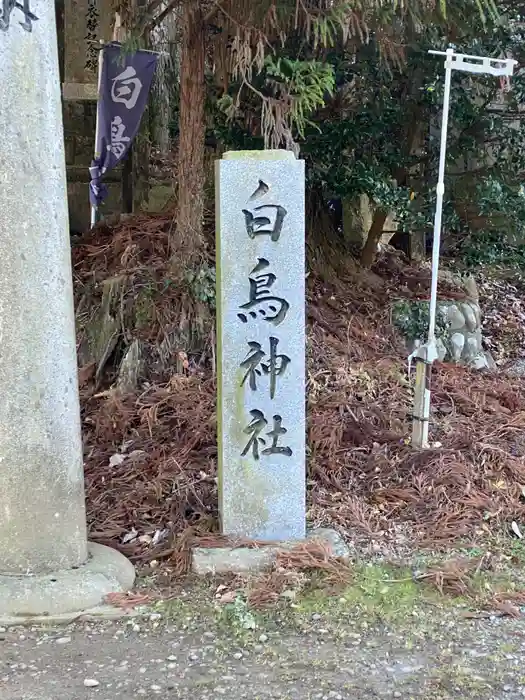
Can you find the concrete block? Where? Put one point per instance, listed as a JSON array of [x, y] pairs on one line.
[[66, 591], [243, 560]]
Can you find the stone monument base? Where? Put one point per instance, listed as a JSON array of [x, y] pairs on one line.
[[65, 594], [245, 560]]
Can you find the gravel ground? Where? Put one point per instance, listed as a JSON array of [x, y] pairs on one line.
[[430, 653]]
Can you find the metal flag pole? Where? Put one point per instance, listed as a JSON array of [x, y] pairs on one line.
[[425, 355], [94, 209]]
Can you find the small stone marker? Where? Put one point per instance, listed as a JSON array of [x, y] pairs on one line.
[[261, 344]]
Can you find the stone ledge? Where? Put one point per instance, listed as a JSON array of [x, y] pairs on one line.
[[66, 593], [80, 92], [80, 174], [270, 154], [101, 613], [244, 560]]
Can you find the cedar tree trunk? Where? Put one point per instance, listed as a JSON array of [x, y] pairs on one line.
[[369, 251], [188, 243]]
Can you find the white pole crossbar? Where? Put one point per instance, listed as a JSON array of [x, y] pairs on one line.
[[478, 64]]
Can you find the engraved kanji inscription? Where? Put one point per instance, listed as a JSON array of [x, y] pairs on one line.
[[256, 426], [255, 365], [7, 7], [275, 433], [261, 302], [92, 32], [262, 189], [262, 225]]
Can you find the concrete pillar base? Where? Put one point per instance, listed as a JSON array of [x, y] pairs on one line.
[[69, 591]]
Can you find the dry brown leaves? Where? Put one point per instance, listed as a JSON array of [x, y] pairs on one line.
[[293, 570], [362, 475], [457, 577], [127, 601], [453, 577], [503, 301], [508, 604]]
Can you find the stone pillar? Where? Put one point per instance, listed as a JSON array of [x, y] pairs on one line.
[[357, 219], [417, 245], [86, 23], [358, 214], [261, 344], [42, 514]]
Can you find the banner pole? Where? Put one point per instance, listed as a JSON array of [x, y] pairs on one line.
[[421, 416], [94, 209], [426, 354]]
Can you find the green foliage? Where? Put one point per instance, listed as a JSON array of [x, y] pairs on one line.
[[368, 121], [239, 615], [491, 248], [306, 83], [380, 137], [363, 147], [411, 318], [290, 90], [278, 54], [497, 198], [201, 282]]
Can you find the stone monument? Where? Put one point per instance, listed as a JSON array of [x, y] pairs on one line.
[[46, 565], [261, 344]]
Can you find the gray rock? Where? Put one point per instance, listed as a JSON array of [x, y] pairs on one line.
[[483, 361], [229, 560], [457, 341], [460, 340], [516, 368], [260, 299], [441, 349], [470, 317], [473, 347], [491, 363], [479, 362], [477, 313], [455, 317], [339, 547], [130, 368], [471, 288]]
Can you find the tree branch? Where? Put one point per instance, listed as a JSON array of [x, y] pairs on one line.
[[161, 17], [149, 21], [211, 14], [152, 7]]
